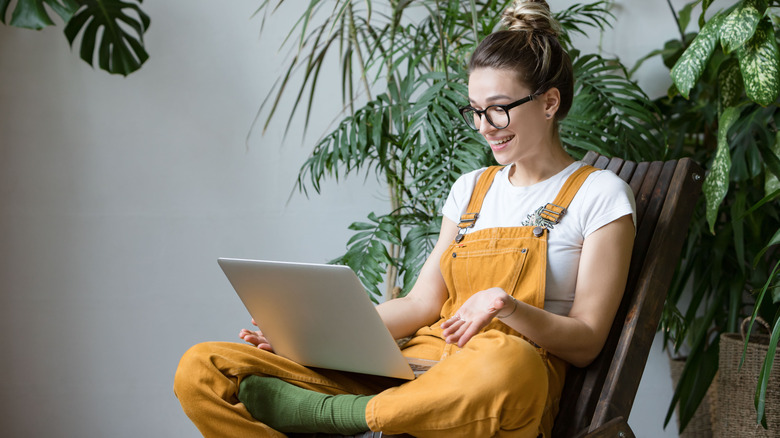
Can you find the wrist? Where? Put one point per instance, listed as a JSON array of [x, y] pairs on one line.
[[514, 307]]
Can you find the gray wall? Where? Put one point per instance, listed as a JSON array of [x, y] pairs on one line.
[[118, 194]]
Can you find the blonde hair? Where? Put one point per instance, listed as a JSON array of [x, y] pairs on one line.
[[529, 46]]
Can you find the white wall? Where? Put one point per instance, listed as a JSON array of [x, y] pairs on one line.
[[118, 194]]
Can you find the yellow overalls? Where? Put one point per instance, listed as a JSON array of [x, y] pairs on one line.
[[499, 384]]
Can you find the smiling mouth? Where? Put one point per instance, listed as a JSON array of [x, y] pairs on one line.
[[501, 142]]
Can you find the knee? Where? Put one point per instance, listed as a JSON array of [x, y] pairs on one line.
[[190, 370], [512, 364]]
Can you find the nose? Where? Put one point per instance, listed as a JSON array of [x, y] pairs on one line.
[[484, 125]]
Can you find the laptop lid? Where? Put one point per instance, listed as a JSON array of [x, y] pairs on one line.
[[317, 315]]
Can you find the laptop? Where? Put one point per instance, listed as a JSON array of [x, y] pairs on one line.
[[319, 316]]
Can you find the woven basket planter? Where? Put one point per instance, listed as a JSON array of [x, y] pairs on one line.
[[734, 413]]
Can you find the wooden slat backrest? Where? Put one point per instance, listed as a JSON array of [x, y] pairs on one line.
[[666, 193]]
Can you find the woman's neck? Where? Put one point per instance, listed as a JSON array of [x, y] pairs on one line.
[[539, 167]]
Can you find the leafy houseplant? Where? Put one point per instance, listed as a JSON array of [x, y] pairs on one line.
[[120, 49], [723, 111], [404, 74]]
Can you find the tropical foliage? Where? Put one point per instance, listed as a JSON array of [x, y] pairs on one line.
[[403, 77], [112, 28], [723, 111]]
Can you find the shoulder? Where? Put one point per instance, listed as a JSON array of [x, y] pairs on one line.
[[607, 182], [603, 198], [465, 184], [460, 194]]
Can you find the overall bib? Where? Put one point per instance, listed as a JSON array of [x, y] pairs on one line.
[[499, 384]]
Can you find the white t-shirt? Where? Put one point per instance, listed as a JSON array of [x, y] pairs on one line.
[[603, 198]]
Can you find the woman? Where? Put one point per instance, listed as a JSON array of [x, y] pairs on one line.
[[525, 278]]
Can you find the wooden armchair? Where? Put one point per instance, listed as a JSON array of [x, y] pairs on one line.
[[597, 400]]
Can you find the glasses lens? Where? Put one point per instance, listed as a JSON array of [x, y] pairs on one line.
[[497, 116], [471, 117]]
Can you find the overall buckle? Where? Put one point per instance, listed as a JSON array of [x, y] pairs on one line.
[[552, 213]]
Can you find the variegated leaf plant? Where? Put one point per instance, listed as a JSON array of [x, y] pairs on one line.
[[747, 30], [728, 74]]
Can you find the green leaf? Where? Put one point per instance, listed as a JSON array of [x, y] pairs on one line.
[[704, 6], [700, 375], [738, 26], [759, 60], [766, 372], [688, 69], [716, 185], [729, 83], [699, 370], [684, 16], [773, 241], [31, 14], [772, 181], [738, 225], [121, 49]]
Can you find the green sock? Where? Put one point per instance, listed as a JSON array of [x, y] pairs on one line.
[[290, 409]]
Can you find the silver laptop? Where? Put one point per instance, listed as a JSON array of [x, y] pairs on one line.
[[319, 316]]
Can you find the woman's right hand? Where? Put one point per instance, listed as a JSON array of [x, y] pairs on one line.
[[255, 338]]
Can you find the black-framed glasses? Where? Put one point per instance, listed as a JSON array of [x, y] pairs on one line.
[[496, 115]]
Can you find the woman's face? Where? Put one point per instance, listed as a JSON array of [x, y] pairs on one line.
[[529, 130]]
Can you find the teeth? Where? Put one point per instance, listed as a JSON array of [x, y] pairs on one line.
[[498, 142]]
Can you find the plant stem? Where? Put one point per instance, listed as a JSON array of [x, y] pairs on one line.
[[394, 250], [676, 20]]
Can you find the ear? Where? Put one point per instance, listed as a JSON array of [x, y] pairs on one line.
[[552, 101]]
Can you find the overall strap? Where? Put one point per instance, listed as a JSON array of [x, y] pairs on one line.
[[484, 182], [553, 212]]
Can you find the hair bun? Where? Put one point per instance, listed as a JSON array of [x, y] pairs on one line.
[[530, 16]]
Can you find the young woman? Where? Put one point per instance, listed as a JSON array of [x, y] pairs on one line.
[[525, 278]]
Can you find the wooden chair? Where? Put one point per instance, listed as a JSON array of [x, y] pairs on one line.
[[597, 400]]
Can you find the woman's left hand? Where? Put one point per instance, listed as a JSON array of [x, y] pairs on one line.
[[474, 315]]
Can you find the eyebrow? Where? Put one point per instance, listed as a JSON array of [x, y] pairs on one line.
[[492, 98]]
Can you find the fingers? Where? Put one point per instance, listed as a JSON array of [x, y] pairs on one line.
[[459, 330], [451, 325], [265, 346], [469, 332], [448, 323], [456, 330], [256, 338]]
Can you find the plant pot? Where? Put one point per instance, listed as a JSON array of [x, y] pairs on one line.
[[734, 413]]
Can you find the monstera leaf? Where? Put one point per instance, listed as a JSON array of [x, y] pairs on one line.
[[31, 14], [123, 23], [121, 49]]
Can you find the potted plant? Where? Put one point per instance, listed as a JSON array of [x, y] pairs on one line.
[[722, 110]]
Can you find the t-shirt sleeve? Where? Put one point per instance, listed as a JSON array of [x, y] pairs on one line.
[[608, 198]]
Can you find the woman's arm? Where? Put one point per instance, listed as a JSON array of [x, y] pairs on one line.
[[579, 337], [402, 316], [422, 306]]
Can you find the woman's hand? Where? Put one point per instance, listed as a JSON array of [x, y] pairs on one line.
[[255, 338], [475, 314]]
